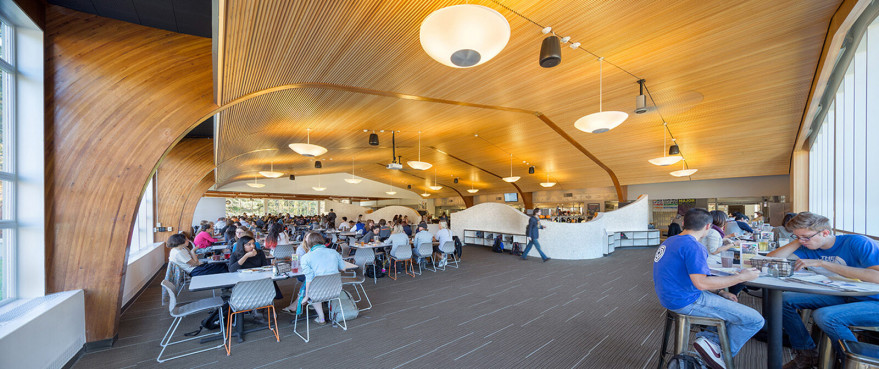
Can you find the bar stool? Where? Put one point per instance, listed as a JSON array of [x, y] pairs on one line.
[[682, 335], [860, 355], [825, 347]]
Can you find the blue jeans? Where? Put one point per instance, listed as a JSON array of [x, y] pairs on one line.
[[533, 242], [833, 314], [742, 322]]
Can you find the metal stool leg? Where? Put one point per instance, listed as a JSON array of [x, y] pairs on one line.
[[825, 352], [669, 320], [724, 346], [682, 334]]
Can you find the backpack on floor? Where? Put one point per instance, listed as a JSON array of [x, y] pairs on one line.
[[211, 322], [517, 249], [348, 307], [374, 272], [459, 247], [498, 245], [686, 360]]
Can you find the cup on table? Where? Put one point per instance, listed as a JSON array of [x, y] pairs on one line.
[[726, 258]]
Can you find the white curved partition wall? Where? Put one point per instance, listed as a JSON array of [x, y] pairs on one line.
[[387, 213], [570, 241]]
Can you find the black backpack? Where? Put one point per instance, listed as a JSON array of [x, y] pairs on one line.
[[498, 245], [516, 249], [211, 322], [374, 272], [686, 360], [459, 247]]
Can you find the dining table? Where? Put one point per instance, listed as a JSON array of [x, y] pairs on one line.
[[773, 287]]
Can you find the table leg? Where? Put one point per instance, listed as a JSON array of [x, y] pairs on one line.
[[774, 348]]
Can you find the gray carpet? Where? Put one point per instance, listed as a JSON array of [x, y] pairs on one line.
[[494, 312]]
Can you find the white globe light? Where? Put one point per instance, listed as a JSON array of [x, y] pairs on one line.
[[601, 122], [666, 160], [463, 36], [473, 190], [420, 165], [683, 172]]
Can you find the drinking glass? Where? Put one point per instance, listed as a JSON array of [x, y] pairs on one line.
[[726, 258]]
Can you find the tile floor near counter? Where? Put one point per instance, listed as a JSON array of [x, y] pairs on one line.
[[496, 311]]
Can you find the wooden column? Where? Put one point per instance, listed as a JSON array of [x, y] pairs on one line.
[[183, 167], [119, 95], [468, 201], [195, 194], [799, 181], [527, 199]]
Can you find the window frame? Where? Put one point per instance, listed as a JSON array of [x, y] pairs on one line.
[[8, 171]]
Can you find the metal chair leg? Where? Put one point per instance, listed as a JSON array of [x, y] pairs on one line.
[[724, 346], [669, 321], [682, 334]]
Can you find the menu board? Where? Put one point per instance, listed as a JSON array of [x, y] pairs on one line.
[[747, 251]]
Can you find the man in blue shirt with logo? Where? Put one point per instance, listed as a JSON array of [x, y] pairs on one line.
[[851, 256], [684, 285]]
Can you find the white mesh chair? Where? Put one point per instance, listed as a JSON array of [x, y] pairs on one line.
[[177, 277], [249, 296], [448, 251], [284, 252], [322, 288], [402, 253], [183, 310], [363, 257], [356, 280], [424, 250]]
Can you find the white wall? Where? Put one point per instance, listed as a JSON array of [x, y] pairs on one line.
[[711, 188], [209, 208], [352, 211], [141, 270], [47, 335]]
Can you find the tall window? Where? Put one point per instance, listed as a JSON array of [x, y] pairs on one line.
[[142, 234], [844, 156], [236, 206], [8, 223]]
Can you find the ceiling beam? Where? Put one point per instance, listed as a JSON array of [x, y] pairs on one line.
[[521, 193]]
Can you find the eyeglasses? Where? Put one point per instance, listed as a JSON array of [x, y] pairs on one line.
[[807, 238]]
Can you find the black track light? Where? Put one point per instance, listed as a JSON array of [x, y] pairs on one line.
[[550, 52], [409, 186], [456, 180], [531, 170], [641, 100], [373, 139], [674, 150], [317, 164], [292, 177]]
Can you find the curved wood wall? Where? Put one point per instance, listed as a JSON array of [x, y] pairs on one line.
[[182, 169], [195, 193], [118, 96]]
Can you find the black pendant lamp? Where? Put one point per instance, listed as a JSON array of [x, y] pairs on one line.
[[373, 139], [550, 52], [674, 150], [317, 164]]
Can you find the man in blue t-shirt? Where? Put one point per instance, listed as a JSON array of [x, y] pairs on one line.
[[851, 256], [682, 282]]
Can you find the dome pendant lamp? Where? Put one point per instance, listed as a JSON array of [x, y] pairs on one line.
[[684, 172], [271, 173], [418, 164], [353, 179], [674, 152], [602, 121], [307, 149], [435, 187], [472, 190], [511, 178], [318, 188], [547, 183], [256, 184], [464, 36]]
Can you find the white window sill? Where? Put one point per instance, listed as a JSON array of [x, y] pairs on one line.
[[143, 252]]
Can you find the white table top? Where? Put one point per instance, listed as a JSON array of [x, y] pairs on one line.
[[789, 285], [370, 246], [212, 281]]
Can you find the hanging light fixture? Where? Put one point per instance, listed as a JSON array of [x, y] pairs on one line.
[[418, 164], [425, 194], [319, 188], [271, 173], [673, 151], [472, 190], [256, 184], [511, 178], [307, 149], [684, 172], [463, 36], [602, 121], [547, 183], [373, 139], [435, 187], [353, 179], [391, 192]]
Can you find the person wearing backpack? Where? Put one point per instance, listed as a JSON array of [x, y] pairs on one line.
[[684, 285], [533, 232]]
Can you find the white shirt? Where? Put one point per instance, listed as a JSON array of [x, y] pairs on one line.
[[344, 226], [398, 240], [181, 259], [443, 236]]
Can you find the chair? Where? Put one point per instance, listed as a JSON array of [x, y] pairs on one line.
[[860, 355], [682, 335], [284, 252], [249, 296], [424, 250], [448, 250], [178, 278], [825, 347], [357, 281], [321, 289], [183, 310], [404, 254], [366, 256], [383, 234]]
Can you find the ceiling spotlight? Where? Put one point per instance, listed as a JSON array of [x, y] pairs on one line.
[[373, 139], [317, 164], [456, 180], [531, 170], [463, 36], [292, 177], [674, 150], [575, 45], [641, 100], [307, 149], [550, 52], [602, 121], [566, 39]]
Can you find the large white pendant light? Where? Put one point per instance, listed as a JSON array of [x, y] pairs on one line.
[[665, 159], [511, 178], [418, 164], [463, 36], [472, 190], [307, 149], [547, 183], [425, 194], [353, 179], [319, 188], [391, 192], [271, 173], [256, 184], [435, 187], [602, 121], [684, 172]]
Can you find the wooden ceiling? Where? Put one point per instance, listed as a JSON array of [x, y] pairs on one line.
[[730, 78]]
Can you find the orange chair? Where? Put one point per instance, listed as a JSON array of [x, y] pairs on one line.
[[250, 296], [402, 253]]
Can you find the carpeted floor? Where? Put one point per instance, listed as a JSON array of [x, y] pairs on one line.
[[494, 312]]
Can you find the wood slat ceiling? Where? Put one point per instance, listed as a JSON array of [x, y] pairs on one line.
[[731, 78]]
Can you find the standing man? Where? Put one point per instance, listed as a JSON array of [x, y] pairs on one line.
[[684, 285], [533, 231], [851, 256], [331, 219]]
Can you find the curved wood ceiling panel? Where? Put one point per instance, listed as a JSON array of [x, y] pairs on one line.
[[724, 73]]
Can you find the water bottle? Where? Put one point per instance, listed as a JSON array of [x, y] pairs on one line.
[[773, 270]]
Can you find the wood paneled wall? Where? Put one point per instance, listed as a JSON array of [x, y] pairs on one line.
[[119, 96], [182, 169], [195, 193]]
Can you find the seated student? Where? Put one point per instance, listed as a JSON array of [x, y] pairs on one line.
[[344, 226], [275, 236], [781, 232], [204, 239], [713, 240], [359, 226], [186, 259], [421, 236], [246, 255], [741, 221], [682, 282], [229, 234], [318, 261], [442, 236], [369, 233], [398, 239], [851, 256], [406, 228], [384, 230], [758, 216], [221, 223]]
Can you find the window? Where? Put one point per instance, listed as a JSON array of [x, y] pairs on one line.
[[8, 223], [237, 206], [142, 234], [843, 181]]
